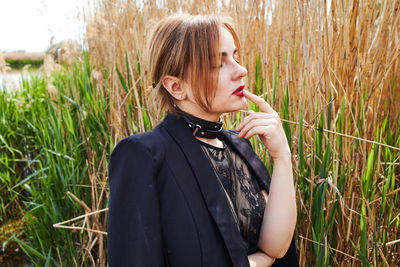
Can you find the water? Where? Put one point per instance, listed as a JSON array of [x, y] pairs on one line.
[[12, 80]]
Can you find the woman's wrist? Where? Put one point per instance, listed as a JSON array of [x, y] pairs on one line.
[[284, 157]]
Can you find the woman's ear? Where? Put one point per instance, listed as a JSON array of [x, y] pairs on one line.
[[174, 87]]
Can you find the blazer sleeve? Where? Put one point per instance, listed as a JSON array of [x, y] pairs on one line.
[[134, 230]]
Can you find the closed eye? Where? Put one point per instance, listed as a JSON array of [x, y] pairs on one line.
[[224, 55]]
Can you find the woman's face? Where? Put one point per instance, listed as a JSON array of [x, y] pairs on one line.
[[228, 97], [231, 76]]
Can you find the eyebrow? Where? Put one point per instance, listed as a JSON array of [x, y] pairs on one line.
[[224, 54]]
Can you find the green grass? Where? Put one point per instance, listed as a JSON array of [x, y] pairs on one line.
[[18, 64], [48, 144]]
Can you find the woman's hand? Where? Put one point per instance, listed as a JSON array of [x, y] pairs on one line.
[[260, 259], [267, 125]]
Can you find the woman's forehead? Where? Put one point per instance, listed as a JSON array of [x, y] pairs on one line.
[[227, 44]]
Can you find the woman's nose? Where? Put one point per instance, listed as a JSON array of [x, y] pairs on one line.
[[239, 72]]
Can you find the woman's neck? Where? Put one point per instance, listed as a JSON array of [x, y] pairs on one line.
[[214, 142], [213, 117], [200, 113]]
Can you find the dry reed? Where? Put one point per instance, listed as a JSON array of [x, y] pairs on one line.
[[344, 56]]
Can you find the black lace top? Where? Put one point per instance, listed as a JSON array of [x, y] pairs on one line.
[[242, 191]]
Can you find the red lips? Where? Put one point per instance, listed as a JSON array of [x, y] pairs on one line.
[[239, 91]]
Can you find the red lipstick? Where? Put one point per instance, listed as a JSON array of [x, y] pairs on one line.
[[239, 91]]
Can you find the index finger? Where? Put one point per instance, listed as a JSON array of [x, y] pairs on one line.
[[264, 106]]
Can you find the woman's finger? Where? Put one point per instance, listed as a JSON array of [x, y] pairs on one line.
[[257, 122], [256, 115], [261, 130], [261, 103]]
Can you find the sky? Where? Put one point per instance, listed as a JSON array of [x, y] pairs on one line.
[[31, 25]]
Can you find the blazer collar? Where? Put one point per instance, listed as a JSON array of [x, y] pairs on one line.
[[211, 190]]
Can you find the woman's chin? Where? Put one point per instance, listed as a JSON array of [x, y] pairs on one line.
[[233, 106], [242, 103], [239, 105]]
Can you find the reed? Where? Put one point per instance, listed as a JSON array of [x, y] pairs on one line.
[[331, 72]]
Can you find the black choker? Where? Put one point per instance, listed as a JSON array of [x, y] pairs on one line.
[[202, 128]]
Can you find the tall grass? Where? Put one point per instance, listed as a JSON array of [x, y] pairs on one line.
[[332, 73], [53, 164]]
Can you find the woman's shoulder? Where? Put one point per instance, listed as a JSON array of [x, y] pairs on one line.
[[149, 142]]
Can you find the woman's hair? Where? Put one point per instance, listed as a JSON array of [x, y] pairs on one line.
[[187, 47]]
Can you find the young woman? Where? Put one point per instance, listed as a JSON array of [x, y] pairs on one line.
[[190, 193]]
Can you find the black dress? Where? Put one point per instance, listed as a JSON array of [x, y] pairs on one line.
[[242, 191], [244, 196]]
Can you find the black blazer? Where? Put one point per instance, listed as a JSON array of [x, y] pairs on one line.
[[166, 206]]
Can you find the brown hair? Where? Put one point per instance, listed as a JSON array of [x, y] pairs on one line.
[[187, 47]]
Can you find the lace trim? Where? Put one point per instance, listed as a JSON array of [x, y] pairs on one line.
[[242, 190]]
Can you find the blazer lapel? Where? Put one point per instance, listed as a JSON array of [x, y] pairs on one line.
[[244, 149], [211, 190]]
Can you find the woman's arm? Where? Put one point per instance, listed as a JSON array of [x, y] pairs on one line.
[[260, 259], [280, 212]]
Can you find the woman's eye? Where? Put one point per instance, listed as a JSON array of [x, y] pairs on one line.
[[222, 63]]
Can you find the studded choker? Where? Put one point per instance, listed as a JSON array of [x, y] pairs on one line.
[[201, 127]]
